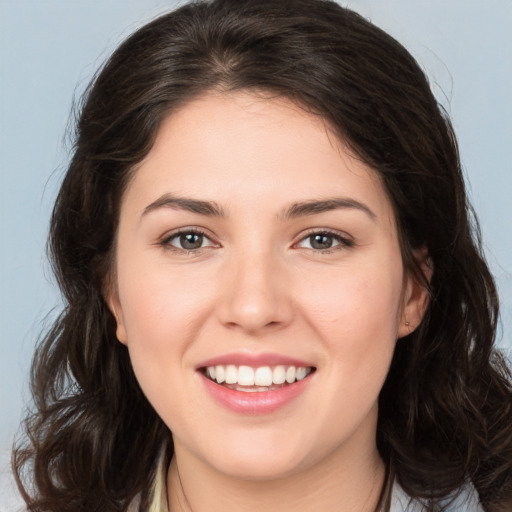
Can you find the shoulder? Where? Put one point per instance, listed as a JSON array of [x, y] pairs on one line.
[[464, 501]]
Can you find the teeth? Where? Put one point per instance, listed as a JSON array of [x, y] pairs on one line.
[[245, 376], [279, 375], [219, 373], [261, 377], [231, 376], [300, 373]]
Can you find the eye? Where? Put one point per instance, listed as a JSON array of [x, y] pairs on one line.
[[324, 241], [190, 240]]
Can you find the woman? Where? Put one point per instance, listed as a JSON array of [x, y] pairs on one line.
[[275, 297]]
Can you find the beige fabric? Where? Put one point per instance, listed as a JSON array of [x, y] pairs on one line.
[[158, 501], [159, 492]]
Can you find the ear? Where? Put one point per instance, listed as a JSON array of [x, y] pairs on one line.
[[416, 296], [111, 296]]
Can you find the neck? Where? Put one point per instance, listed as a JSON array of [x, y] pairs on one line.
[[355, 485]]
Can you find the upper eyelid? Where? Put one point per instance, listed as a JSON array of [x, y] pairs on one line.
[[324, 231], [188, 229], [345, 241], [166, 238]]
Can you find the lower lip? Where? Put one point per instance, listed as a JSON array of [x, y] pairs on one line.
[[257, 402]]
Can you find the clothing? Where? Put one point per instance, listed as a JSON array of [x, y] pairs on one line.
[[467, 501]]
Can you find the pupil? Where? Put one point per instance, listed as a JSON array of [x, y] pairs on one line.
[[321, 241], [191, 240]]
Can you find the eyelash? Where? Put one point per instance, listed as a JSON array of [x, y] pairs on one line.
[[166, 242], [343, 242]]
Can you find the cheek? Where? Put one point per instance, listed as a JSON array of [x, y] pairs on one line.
[[160, 304], [356, 318], [357, 301], [162, 316]]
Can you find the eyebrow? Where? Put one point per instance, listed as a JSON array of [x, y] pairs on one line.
[[305, 208], [209, 208], [298, 209]]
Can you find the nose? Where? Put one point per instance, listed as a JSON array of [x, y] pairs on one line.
[[256, 296]]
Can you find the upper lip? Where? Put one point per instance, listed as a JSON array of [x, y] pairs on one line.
[[254, 360]]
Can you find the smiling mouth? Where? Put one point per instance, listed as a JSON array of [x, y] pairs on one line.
[[260, 379]]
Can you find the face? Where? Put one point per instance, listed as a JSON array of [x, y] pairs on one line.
[[259, 287]]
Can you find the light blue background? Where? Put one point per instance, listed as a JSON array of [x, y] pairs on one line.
[[50, 48]]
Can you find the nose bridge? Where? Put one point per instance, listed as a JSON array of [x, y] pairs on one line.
[[256, 295]]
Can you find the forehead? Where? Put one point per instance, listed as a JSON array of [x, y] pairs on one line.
[[244, 146]]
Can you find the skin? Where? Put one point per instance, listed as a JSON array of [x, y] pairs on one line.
[[257, 284]]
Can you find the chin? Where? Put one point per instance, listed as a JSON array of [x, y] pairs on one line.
[[256, 469], [258, 459]]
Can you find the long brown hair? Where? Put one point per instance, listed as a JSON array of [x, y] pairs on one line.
[[445, 411]]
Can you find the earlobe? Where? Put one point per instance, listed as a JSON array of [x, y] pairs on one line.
[[416, 295]]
